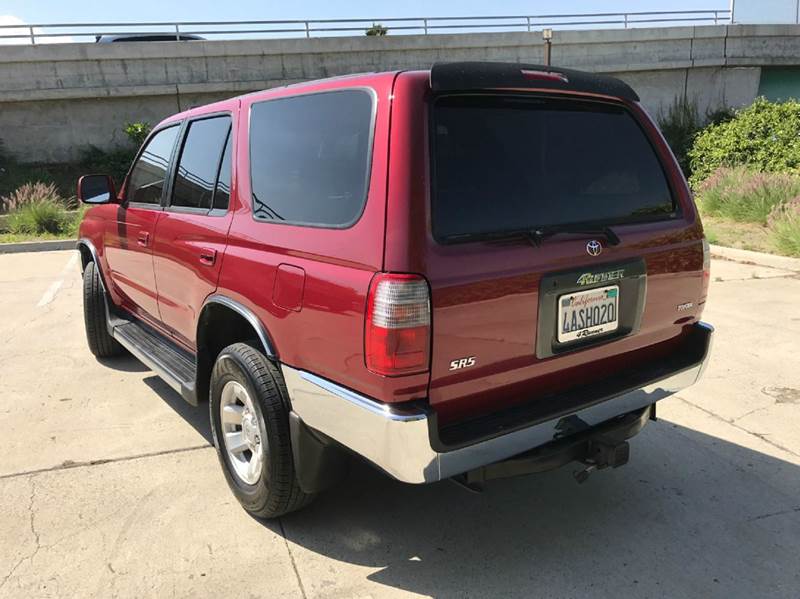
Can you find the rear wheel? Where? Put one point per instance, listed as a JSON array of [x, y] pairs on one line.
[[250, 422], [101, 344]]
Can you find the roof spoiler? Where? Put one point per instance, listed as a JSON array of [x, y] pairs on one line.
[[469, 76]]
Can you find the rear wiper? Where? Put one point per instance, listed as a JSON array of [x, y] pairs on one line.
[[539, 233], [535, 235]]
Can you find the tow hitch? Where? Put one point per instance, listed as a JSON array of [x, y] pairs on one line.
[[602, 454], [599, 447]]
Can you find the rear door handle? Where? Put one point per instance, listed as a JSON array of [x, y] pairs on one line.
[[144, 238], [208, 257]]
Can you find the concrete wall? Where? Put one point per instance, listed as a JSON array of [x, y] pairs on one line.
[[57, 99]]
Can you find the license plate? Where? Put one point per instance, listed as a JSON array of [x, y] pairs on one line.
[[585, 314]]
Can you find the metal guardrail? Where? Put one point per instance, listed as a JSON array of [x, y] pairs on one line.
[[38, 32]]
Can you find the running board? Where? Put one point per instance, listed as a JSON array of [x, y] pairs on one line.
[[175, 366]]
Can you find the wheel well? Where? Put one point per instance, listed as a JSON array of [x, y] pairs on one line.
[[86, 256], [218, 327]]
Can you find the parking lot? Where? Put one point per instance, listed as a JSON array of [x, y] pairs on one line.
[[110, 487]]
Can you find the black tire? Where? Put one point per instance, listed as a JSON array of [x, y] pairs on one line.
[[101, 344], [276, 491]]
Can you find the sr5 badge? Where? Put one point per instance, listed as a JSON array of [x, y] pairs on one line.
[[462, 363]]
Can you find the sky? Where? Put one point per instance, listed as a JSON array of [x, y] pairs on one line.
[[73, 11]]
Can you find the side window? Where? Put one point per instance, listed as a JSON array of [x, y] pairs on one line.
[[310, 157], [222, 193], [199, 162], [148, 174]]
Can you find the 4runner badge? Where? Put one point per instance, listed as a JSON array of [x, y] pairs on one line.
[[600, 277], [462, 363]]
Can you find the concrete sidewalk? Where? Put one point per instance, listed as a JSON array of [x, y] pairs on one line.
[[109, 486]]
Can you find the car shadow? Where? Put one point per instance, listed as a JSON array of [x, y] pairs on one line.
[[196, 416], [691, 515], [123, 363]]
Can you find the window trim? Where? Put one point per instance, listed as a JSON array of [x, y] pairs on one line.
[[676, 214], [167, 174], [373, 95], [214, 211], [166, 199]]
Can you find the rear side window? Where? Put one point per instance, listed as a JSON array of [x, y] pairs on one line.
[[506, 163], [148, 174], [199, 162], [310, 157]]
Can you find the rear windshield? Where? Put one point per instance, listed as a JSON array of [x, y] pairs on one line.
[[506, 163]]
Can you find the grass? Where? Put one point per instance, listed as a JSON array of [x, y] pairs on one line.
[[785, 226], [752, 210], [744, 236], [744, 196], [21, 237]]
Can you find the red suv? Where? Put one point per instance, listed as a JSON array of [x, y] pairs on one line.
[[475, 271]]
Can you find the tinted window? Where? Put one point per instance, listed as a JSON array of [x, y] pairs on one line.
[[508, 163], [223, 191], [199, 162], [148, 174], [309, 157]]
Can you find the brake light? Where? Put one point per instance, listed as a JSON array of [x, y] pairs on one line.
[[397, 334], [544, 75], [706, 266]]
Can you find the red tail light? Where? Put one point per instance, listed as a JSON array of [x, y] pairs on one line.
[[706, 267], [397, 337]]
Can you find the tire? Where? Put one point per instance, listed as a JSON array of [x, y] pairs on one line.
[[101, 344], [274, 491]]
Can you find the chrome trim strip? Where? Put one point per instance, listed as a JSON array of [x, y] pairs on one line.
[[400, 444], [379, 409], [249, 316]]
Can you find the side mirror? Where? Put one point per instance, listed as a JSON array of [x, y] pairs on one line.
[[96, 189]]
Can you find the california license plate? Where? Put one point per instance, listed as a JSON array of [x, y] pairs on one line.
[[585, 314]]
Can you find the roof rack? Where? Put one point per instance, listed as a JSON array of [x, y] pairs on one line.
[[470, 76]]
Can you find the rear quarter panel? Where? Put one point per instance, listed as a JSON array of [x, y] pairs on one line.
[[325, 333]]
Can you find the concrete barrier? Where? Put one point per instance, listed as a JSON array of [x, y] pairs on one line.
[[57, 99]]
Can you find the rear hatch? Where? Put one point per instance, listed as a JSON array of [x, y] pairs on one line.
[[566, 249]]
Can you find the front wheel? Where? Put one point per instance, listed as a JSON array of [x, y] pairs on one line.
[[250, 424], [101, 343]]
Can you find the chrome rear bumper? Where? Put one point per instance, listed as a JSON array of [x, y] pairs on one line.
[[399, 442]]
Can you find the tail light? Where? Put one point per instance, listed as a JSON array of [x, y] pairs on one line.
[[397, 337], [706, 266]]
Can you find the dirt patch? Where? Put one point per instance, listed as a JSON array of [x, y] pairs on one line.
[[788, 395]]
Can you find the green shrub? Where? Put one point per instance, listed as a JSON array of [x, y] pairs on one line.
[[679, 125], [764, 136], [377, 30], [115, 162], [137, 132], [784, 224], [745, 196], [30, 193], [37, 218]]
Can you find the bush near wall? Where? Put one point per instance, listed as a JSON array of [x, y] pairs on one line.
[[765, 137]]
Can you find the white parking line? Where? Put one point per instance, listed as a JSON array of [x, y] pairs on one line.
[[52, 290]]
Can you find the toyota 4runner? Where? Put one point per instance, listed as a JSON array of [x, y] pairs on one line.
[[471, 272]]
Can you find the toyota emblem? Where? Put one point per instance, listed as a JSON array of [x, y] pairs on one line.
[[594, 248]]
